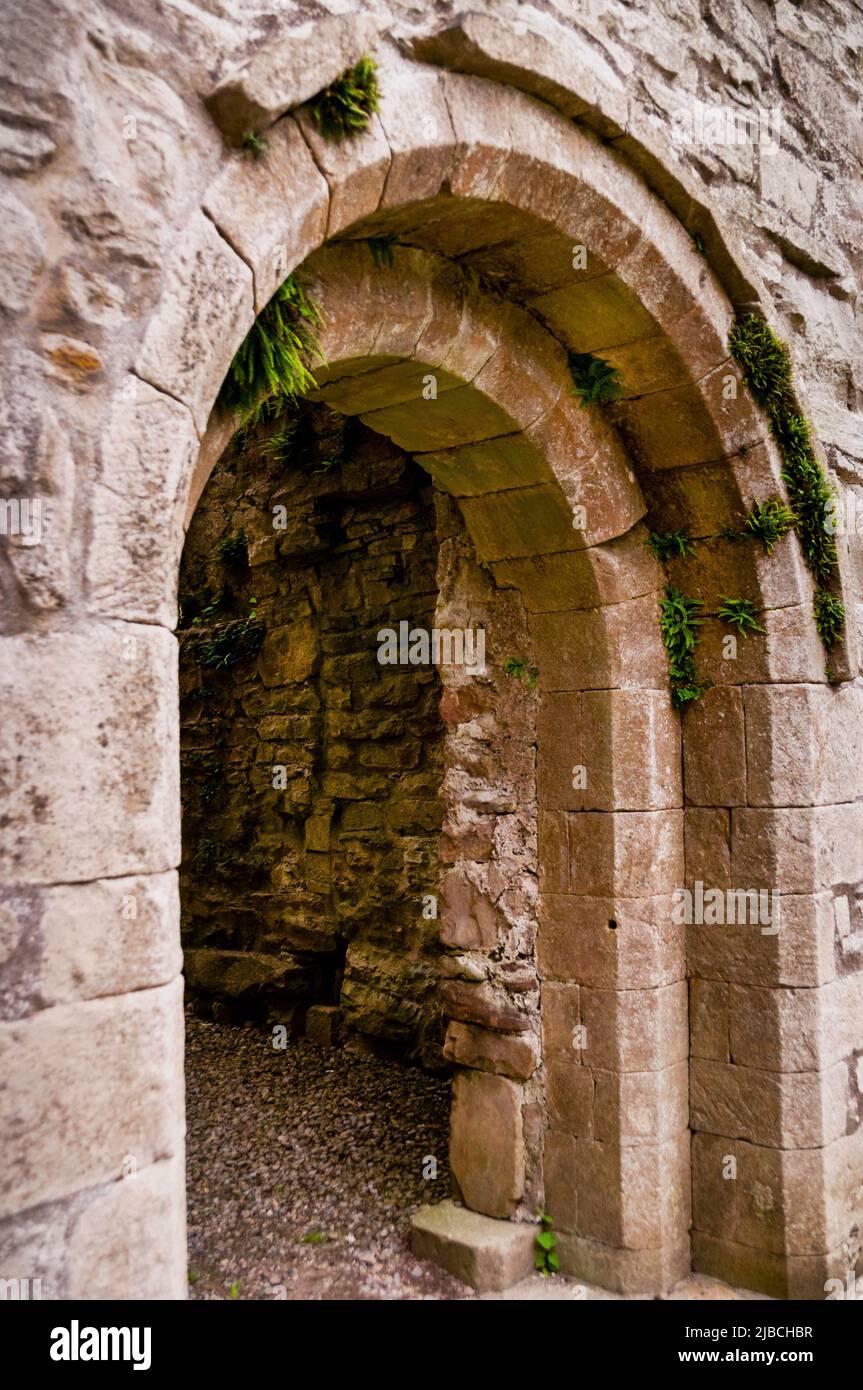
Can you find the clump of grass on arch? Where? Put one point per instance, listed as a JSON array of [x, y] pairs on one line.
[[346, 106], [272, 362]]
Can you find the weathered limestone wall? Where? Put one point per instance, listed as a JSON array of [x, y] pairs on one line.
[[123, 302], [311, 890]]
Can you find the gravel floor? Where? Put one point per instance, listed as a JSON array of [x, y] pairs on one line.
[[304, 1167]]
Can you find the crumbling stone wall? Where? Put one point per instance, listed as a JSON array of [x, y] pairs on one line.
[[311, 772]]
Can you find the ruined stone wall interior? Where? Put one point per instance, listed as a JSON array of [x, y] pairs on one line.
[[109, 153], [311, 772]]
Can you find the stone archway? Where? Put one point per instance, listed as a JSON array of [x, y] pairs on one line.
[[449, 163]]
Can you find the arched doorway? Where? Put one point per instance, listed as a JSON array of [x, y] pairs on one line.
[[449, 165]]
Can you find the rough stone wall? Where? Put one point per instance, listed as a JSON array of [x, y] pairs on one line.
[[311, 891]]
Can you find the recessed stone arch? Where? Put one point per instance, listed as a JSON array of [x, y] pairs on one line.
[[463, 171]]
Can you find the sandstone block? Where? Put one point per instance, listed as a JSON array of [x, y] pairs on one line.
[[506, 1055], [618, 646], [147, 459], [612, 943], [797, 1110], [82, 941], [714, 753], [487, 1254], [65, 1069], [273, 210], [641, 1107], [804, 745], [797, 850], [635, 1030], [130, 1241], [625, 853], [123, 817], [285, 72], [206, 311], [486, 1142]]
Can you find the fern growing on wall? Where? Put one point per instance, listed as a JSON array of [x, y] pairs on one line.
[[272, 361], [594, 381], [346, 106], [766, 366], [679, 622]]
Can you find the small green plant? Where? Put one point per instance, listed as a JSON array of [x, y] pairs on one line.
[[231, 643], [314, 1237], [209, 853], [740, 613], [594, 381], [546, 1259], [829, 617], [255, 144], [193, 1276], [233, 550], [346, 106], [517, 667], [679, 622], [272, 361], [235, 1289], [769, 521], [697, 243], [668, 544], [766, 367], [382, 249]]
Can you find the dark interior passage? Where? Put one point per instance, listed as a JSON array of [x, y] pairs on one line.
[[310, 771]]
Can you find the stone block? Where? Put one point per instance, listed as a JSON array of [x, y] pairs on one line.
[[486, 1142], [415, 119], [273, 210], [641, 1107], [616, 646], [524, 521], [286, 71], [123, 817], [493, 465], [323, 1024], [631, 751], [797, 850], [625, 853], [560, 1177], [83, 941], [148, 450], [635, 1030], [603, 574], [804, 745], [714, 751], [570, 1089], [484, 1050], [65, 1068], [801, 953], [777, 1276], [802, 1110], [654, 1270], [206, 312], [707, 840], [611, 943], [635, 1197], [129, 1242], [469, 918], [462, 416], [488, 1255]]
